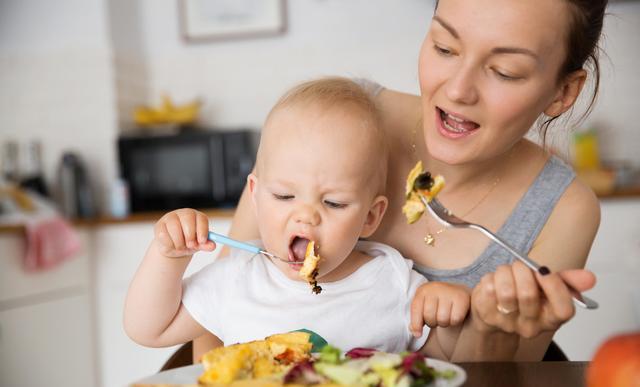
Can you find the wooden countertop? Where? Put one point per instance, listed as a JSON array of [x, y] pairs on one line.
[[132, 218], [534, 374]]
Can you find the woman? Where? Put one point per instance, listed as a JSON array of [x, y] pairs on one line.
[[488, 69]]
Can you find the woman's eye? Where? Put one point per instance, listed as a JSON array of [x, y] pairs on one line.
[[282, 197], [506, 77], [332, 204], [442, 51]]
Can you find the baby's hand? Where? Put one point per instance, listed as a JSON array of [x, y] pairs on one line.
[[182, 232], [439, 304]]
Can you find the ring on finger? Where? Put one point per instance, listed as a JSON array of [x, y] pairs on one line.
[[504, 310]]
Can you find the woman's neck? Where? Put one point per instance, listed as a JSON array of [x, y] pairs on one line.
[[468, 176]]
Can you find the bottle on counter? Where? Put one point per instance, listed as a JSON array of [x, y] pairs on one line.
[[119, 199], [75, 196], [32, 173]]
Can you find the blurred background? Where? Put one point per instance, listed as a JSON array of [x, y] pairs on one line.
[[112, 112]]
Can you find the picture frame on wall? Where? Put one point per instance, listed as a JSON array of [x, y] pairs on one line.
[[210, 20]]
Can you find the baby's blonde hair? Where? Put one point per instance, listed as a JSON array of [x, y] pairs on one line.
[[343, 93]]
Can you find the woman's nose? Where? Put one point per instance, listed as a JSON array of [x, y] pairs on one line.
[[306, 214], [461, 86]]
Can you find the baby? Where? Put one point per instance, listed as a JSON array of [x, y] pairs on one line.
[[320, 176]]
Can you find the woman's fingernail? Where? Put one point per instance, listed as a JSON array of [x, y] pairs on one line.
[[543, 270]]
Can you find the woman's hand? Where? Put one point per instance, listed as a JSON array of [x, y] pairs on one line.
[[182, 232], [514, 299]]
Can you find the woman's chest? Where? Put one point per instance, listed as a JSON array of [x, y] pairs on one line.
[[428, 243]]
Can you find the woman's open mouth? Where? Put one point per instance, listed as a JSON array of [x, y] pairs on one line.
[[454, 126]]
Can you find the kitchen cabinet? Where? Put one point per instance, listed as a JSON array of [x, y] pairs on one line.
[[46, 320], [47, 344]]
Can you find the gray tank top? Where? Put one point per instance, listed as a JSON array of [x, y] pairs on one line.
[[521, 228]]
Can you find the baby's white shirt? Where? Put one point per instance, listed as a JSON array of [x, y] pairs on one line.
[[245, 297]]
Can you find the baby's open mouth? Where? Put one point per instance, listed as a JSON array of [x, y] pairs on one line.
[[455, 123], [298, 249]]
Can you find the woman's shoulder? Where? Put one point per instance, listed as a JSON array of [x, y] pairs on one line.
[[571, 227], [400, 112]]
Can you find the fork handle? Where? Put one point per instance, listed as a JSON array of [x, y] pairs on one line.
[[225, 240], [578, 299]]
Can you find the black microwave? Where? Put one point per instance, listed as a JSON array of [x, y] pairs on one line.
[[198, 169]]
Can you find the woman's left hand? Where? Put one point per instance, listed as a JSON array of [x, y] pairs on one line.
[[514, 299]]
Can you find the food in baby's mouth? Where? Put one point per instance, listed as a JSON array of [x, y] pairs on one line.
[[420, 182], [309, 270]]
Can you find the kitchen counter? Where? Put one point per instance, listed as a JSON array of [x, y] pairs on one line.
[[226, 213]]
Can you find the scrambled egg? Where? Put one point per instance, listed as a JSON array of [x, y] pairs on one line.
[[429, 187], [309, 270], [261, 359]]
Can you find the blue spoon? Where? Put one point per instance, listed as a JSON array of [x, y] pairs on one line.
[[225, 240]]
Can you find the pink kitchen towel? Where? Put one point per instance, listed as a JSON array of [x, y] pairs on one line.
[[50, 241]]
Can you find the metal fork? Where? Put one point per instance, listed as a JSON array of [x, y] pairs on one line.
[[448, 219], [225, 240]]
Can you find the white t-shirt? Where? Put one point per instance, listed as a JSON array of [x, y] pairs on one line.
[[245, 297]]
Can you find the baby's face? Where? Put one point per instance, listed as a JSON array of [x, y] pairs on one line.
[[314, 183]]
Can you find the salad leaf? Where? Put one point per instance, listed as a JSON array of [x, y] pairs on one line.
[[330, 354], [357, 353]]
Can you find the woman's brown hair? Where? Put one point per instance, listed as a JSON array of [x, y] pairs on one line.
[[583, 51]]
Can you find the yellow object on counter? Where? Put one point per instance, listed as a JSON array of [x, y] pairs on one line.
[[167, 113], [586, 152]]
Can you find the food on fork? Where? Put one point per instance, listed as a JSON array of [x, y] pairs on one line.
[[262, 359], [309, 270], [420, 182]]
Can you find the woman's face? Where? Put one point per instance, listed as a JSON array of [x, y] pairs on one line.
[[488, 69]]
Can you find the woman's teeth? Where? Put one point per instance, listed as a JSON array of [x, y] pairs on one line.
[[456, 124]]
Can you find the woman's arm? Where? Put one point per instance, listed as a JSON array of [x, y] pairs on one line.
[[539, 305]]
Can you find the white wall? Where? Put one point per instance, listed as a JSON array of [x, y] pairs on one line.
[[71, 71], [56, 81], [615, 115], [240, 79]]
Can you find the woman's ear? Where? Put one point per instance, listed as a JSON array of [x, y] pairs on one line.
[[374, 216], [567, 94]]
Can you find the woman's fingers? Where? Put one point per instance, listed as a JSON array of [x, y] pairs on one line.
[[558, 298], [528, 292], [579, 279], [506, 291]]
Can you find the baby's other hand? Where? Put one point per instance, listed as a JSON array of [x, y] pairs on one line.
[[182, 232], [439, 304]]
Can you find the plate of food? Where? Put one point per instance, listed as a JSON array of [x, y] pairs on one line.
[[288, 359]]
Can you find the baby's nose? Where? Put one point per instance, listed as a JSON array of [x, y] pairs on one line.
[[306, 214]]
